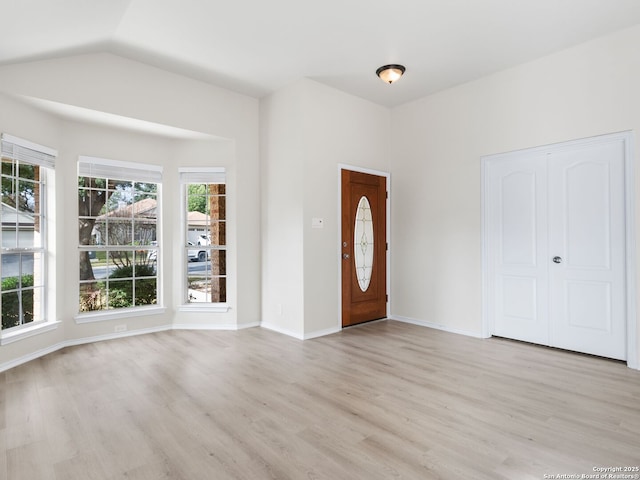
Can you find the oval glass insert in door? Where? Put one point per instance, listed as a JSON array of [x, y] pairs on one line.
[[363, 243]]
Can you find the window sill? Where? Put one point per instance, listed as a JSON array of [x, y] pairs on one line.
[[119, 313], [26, 332], [205, 307]]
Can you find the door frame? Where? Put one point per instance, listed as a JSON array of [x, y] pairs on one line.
[[387, 176], [627, 137]]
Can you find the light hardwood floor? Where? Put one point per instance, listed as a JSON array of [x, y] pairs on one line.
[[385, 400]]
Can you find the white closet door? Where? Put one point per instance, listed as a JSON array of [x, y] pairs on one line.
[[518, 228], [555, 230], [587, 237]]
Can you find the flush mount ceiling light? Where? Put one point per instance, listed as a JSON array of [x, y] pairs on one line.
[[390, 73]]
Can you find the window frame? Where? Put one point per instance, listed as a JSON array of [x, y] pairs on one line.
[[194, 176], [121, 171], [25, 152]]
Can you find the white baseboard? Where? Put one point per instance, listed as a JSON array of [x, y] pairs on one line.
[[242, 326], [31, 356], [284, 331], [322, 333], [437, 326], [112, 336], [298, 335], [200, 326]]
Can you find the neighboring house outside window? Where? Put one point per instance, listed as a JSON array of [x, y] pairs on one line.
[[24, 171], [205, 243], [118, 231]]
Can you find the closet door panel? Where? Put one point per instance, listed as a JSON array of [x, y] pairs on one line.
[[587, 232], [518, 225]]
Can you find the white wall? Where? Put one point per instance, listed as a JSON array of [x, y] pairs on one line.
[[282, 159], [437, 142], [107, 83], [307, 130]]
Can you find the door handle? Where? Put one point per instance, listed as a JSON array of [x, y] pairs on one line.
[[345, 256], [557, 259]]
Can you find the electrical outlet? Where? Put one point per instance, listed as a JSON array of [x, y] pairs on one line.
[[120, 328]]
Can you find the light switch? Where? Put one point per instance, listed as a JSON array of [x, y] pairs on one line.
[[317, 223]]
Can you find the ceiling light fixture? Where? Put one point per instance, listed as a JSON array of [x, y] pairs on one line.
[[390, 73]]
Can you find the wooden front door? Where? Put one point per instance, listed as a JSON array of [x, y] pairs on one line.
[[364, 234]]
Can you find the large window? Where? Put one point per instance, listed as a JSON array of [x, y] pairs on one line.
[[118, 231], [24, 171], [205, 242]]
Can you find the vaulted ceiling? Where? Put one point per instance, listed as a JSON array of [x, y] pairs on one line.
[[256, 47]]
